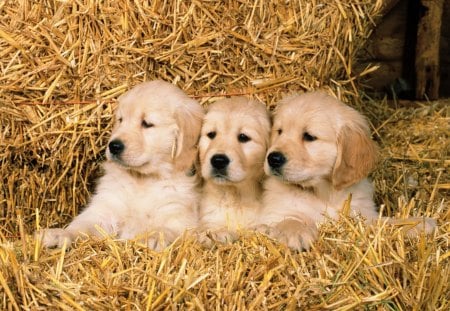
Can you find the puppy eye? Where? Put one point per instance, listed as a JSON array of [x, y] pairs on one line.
[[211, 135], [243, 138], [279, 131], [119, 120], [146, 124], [308, 137]]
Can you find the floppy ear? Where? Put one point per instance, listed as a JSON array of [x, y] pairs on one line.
[[356, 156], [189, 119]]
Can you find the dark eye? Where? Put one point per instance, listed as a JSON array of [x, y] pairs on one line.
[[243, 138], [279, 131], [119, 120], [146, 124], [308, 137], [211, 135]]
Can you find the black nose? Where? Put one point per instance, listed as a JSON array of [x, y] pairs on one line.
[[220, 161], [116, 147], [276, 159]]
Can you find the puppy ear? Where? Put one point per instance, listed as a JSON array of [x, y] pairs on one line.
[[189, 119], [356, 156]]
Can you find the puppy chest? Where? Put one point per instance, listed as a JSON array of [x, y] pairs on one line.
[[151, 198], [231, 217]]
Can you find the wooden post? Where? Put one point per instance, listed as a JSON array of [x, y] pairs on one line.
[[427, 48]]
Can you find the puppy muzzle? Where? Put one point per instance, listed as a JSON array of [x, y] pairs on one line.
[[116, 148], [115, 151], [276, 161], [219, 164]]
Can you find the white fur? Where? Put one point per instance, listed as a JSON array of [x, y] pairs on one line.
[[318, 175], [147, 191], [233, 201]]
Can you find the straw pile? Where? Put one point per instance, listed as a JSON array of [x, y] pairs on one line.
[[84, 50], [64, 62]]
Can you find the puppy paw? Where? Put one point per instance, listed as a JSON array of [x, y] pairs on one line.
[[295, 234], [413, 226], [160, 239], [418, 226], [264, 229], [224, 236], [221, 235], [54, 237]]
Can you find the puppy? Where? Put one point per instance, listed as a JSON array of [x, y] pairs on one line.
[[320, 155], [232, 148], [148, 190]]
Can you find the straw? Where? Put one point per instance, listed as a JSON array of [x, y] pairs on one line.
[[64, 63]]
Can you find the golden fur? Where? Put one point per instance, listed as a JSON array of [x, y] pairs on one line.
[[232, 147], [148, 190], [320, 154]]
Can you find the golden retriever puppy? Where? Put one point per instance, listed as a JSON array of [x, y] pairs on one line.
[[320, 154], [148, 190], [232, 148]]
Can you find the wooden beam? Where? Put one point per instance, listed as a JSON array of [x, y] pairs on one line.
[[427, 49]]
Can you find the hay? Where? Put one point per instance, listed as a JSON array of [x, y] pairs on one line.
[[64, 62], [94, 50]]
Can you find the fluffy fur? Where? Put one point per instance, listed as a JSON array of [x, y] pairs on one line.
[[320, 154], [148, 190], [232, 148]]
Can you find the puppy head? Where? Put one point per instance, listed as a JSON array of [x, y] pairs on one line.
[[156, 130], [317, 138], [234, 140]]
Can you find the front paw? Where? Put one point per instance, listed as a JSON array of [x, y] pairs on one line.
[[295, 234], [160, 238], [54, 237], [224, 236], [220, 235], [413, 226], [420, 225]]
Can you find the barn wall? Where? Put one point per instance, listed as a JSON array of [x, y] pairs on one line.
[[445, 51], [391, 46]]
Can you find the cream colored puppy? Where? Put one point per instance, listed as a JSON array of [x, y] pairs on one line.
[[320, 154], [148, 190], [232, 148]]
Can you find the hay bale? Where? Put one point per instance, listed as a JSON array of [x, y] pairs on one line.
[[64, 62], [95, 50]]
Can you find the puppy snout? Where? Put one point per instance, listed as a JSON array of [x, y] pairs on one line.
[[116, 147], [220, 161], [276, 160]]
